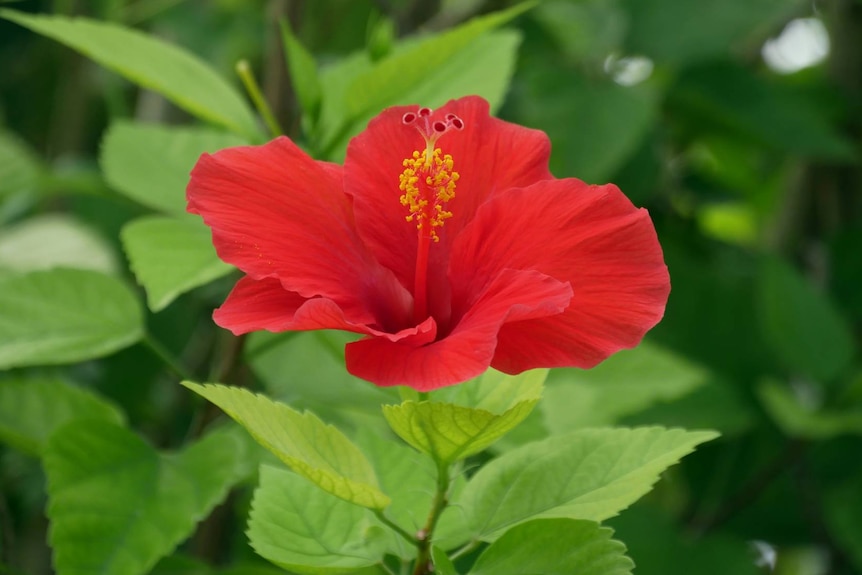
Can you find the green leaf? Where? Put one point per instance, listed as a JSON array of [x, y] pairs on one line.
[[150, 163], [151, 63], [303, 73], [442, 564], [589, 474], [117, 506], [19, 165], [555, 547], [842, 505], [494, 390], [797, 420], [306, 530], [801, 325], [31, 410], [408, 478], [307, 371], [388, 80], [450, 432], [170, 257], [467, 59], [54, 240], [318, 452], [65, 316], [625, 383]]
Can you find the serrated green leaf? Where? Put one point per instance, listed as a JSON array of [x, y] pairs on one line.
[[408, 478], [306, 370], [450, 432], [150, 163], [170, 257], [117, 506], [54, 240], [589, 474], [318, 452], [798, 421], [303, 72], [167, 69], [555, 547], [494, 390], [303, 529], [64, 316], [31, 410], [801, 325], [625, 383]]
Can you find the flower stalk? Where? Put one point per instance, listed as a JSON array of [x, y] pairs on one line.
[[424, 566]]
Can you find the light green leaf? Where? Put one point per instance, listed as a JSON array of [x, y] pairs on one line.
[[306, 530], [450, 432], [797, 420], [170, 257], [494, 390], [388, 80], [307, 371], [555, 547], [318, 452], [589, 474], [54, 240], [167, 69], [65, 316], [303, 73], [117, 506], [442, 564], [625, 383], [31, 410], [151, 164], [408, 478], [801, 325], [19, 166]]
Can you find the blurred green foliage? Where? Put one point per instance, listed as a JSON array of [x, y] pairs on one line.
[[751, 175]]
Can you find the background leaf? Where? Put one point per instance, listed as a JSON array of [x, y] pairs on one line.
[[65, 316], [32, 409], [304, 529], [555, 547], [151, 164], [55, 240], [171, 256], [154, 64], [797, 420], [317, 451], [117, 506], [589, 474]]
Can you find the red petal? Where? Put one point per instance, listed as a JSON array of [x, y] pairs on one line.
[[490, 155], [255, 305], [589, 236], [275, 212], [469, 349]]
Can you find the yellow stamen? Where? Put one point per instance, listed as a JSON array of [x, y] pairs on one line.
[[427, 183]]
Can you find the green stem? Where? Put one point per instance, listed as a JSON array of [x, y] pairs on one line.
[[402, 532], [465, 549], [244, 71], [163, 354], [424, 537]]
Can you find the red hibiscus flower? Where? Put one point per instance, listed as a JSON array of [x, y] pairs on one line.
[[443, 239]]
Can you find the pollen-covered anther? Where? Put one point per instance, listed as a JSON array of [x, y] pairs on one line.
[[427, 185]]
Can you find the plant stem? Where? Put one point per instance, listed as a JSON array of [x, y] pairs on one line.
[[244, 71], [163, 354], [424, 537]]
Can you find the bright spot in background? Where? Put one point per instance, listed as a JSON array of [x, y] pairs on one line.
[[804, 42], [629, 70]]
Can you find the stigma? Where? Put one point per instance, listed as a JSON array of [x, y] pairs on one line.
[[429, 179]]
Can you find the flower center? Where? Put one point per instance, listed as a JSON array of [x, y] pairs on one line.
[[427, 184]]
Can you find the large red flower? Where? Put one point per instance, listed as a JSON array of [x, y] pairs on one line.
[[443, 239]]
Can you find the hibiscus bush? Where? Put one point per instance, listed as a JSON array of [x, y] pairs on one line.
[[401, 287]]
